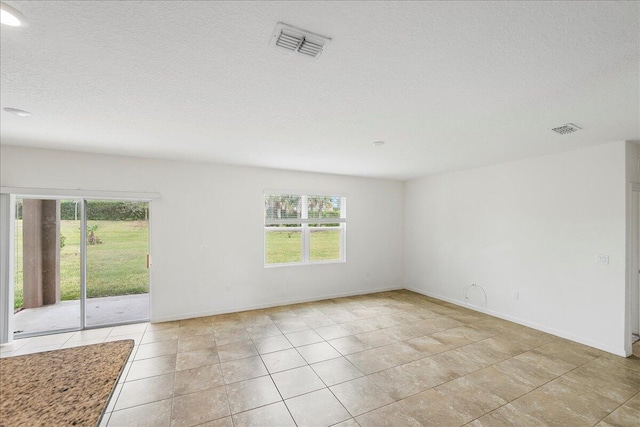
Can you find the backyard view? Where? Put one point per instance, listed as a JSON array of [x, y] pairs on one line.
[[292, 219], [116, 252], [284, 246]]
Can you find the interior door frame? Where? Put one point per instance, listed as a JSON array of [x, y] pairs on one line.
[[8, 196], [633, 266]]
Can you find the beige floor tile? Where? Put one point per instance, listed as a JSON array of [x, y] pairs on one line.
[[348, 423], [272, 415], [151, 336], [451, 404], [238, 350], [459, 362], [428, 346], [48, 341], [155, 414], [196, 358], [291, 325], [625, 371], [200, 407], [283, 360], [626, 415], [263, 331], [318, 352], [151, 367], [332, 332], [548, 410], [243, 369], [525, 372], [455, 337], [507, 416], [297, 381], [509, 343], [156, 349], [404, 332], [574, 353], [90, 334], [230, 336], [298, 339], [137, 328], [378, 359], [348, 345], [591, 406], [317, 321], [272, 344], [317, 409], [376, 338], [603, 382], [251, 394], [222, 422], [197, 379], [136, 337], [196, 342], [192, 330], [388, 416], [360, 395], [503, 385], [550, 364], [146, 390], [335, 371], [405, 380]]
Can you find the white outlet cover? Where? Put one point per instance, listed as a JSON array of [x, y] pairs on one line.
[[602, 259]]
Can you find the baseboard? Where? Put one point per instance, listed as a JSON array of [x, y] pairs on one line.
[[227, 310], [533, 325]]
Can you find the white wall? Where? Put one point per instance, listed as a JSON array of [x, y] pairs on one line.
[[221, 207], [532, 227]]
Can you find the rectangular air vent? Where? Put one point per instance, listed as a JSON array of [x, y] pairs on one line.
[[298, 40], [566, 129]]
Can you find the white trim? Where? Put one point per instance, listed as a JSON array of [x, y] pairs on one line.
[[632, 278], [534, 325], [61, 193], [7, 233], [268, 305]]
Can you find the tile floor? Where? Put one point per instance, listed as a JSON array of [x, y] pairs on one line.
[[386, 359]]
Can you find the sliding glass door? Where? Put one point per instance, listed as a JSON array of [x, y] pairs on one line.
[[117, 274], [47, 255], [79, 264]]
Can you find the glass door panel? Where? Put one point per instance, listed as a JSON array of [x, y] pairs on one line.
[[47, 266], [117, 274]]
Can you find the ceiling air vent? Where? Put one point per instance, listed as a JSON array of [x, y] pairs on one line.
[[566, 129], [298, 40]]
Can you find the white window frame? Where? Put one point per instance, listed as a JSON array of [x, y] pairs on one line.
[[305, 230]]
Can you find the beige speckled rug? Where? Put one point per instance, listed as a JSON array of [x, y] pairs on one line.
[[67, 387]]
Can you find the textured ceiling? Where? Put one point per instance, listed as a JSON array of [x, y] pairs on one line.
[[448, 86]]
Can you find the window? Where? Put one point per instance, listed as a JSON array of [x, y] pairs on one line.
[[303, 229]]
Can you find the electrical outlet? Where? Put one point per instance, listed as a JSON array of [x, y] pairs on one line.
[[602, 259], [516, 295], [202, 248]]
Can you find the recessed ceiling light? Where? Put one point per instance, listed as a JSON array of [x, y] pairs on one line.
[[16, 112], [378, 143], [11, 17]]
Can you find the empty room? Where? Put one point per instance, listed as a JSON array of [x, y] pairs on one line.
[[319, 213]]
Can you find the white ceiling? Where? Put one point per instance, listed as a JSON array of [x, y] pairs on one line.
[[448, 86]]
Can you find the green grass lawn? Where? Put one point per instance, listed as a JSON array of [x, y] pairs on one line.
[[117, 266], [285, 246]]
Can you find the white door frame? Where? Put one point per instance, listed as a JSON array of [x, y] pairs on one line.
[[8, 196], [632, 324]]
